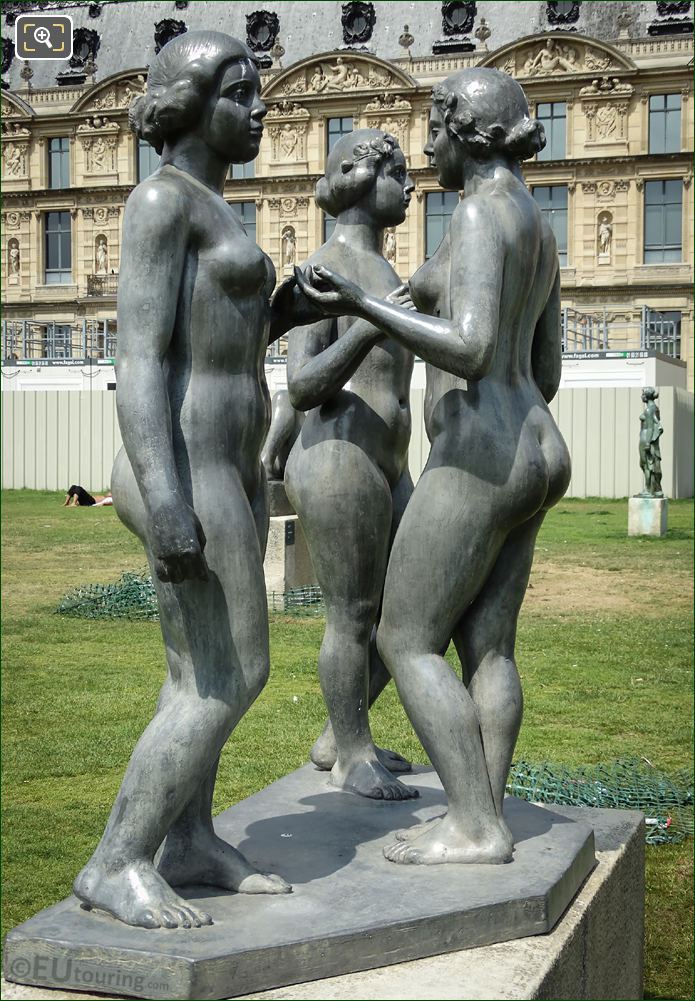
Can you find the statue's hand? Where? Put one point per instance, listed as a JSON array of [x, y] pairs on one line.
[[401, 297], [333, 294], [288, 302], [178, 540]]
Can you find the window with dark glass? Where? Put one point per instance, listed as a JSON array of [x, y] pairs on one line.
[[665, 123], [58, 269], [59, 162], [439, 207], [663, 211], [553, 117], [148, 159], [663, 332], [337, 127], [240, 171], [247, 213], [552, 201]]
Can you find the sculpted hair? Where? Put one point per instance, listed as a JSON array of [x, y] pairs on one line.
[[487, 110], [181, 78], [352, 168]]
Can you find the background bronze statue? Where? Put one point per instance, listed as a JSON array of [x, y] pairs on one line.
[[649, 446], [461, 558], [347, 475], [193, 406]]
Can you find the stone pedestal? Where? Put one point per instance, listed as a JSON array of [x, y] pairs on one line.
[[352, 911], [647, 516], [287, 562]]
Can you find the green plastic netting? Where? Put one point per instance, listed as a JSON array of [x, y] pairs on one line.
[[628, 784]]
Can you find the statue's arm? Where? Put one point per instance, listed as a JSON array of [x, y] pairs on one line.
[[155, 233], [319, 363], [464, 345], [546, 352]]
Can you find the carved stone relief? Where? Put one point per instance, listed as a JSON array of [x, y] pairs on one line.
[[15, 156], [554, 57], [118, 96], [336, 77], [390, 246], [287, 132], [288, 242]]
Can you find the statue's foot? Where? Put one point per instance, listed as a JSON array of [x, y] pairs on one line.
[[446, 843], [368, 777], [207, 860], [506, 833], [417, 830], [324, 755], [137, 895]]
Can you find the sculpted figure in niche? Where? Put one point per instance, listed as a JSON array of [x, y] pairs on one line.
[[347, 476], [605, 235], [289, 137], [194, 409], [14, 260], [289, 246], [489, 328], [390, 246], [101, 257], [99, 152], [651, 430]]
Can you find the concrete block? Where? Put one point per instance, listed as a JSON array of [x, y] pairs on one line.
[[287, 562], [647, 516]]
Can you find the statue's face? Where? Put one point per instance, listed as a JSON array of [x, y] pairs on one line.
[[444, 155], [392, 190], [235, 125]]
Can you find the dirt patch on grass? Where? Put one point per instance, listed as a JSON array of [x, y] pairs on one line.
[[554, 589]]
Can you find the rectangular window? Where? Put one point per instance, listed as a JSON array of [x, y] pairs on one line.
[[552, 201], [663, 332], [553, 117], [328, 225], [336, 128], [59, 163], [58, 248], [247, 213], [240, 171], [148, 159], [663, 210], [665, 123], [439, 207]]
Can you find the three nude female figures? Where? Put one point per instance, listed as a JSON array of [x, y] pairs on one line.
[[194, 411]]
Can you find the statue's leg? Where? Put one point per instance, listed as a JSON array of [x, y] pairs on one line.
[[324, 752], [216, 646], [344, 502], [485, 641], [192, 852], [443, 550]]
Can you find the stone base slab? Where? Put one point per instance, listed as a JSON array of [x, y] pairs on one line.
[[351, 910], [647, 516], [595, 950]]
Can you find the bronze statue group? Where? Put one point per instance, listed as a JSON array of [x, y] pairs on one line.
[[404, 570]]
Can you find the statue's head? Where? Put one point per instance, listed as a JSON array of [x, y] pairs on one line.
[[366, 167], [649, 393], [479, 113], [207, 83]]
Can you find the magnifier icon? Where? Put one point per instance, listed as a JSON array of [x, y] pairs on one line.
[[43, 36]]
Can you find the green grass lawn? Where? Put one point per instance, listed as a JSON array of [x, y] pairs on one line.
[[604, 650]]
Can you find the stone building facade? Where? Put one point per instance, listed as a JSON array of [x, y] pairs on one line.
[[612, 83]]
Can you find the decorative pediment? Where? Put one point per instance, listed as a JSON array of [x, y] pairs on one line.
[[116, 93], [557, 54], [12, 106], [337, 73], [286, 110]]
